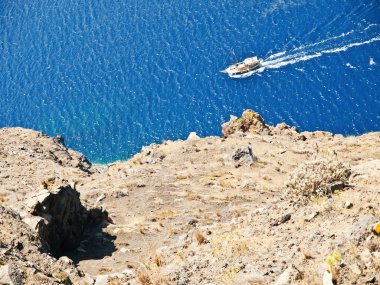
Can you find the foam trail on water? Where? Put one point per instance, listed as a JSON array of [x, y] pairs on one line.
[[324, 41], [277, 54], [370, 26], [298, 57]]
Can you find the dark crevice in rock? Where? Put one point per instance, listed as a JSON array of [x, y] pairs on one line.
[[59, 217]]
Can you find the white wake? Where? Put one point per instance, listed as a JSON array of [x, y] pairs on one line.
[[304, 53]]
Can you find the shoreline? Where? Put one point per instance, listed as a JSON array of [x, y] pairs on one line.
[[183, 209]]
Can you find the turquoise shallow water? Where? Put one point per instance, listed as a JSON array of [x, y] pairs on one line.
[[112, 76]]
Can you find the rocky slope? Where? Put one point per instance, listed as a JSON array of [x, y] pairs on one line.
[[263, 205]]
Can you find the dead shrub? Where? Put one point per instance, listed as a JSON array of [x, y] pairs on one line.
[[315, 178], [200, 237], [150, 275]]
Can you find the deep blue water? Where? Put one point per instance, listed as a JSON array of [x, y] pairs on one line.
[[114, 75]]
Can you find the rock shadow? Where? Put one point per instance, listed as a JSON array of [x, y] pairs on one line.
[[96, 244]]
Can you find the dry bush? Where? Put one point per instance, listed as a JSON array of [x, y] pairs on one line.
[[151, 275], [166, 214], [200, 237], [143, 277], [157, 260], [103, 270], [192, 196], [307, 254], [142, 229], [314, 178]]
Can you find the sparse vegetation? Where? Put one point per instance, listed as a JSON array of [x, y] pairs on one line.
[[61, 275], [166, 214], [103, 270], [193, 218], [314, 178], [149, 274], [157, 259], [307, 254], [228, 245], [229, 275], [200, 237], [143, 277], [192, 196], [333, 262], [142, 229]]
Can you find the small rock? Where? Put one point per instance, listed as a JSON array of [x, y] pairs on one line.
[[59, 140], [182, 281], [362, 227], [252, 278], [128, 272], [327, 278], [120, 193], [88, 280], [244, 156], [371, 280], [34, 222], [288, 276], [193, 137], [151, 154], [193, 222], [355, 269], [123, 250], [348, 205], [9, 274], [312, 216], [117, 275], [66, 260], [376, 254], [101, 280], [366, 256], [100, 198], [281, 220]]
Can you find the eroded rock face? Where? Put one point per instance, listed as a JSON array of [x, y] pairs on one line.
[[58, 215], [253, 122], [9, 274], [151, 154], [250, 121], [24, 258], [27, 156]]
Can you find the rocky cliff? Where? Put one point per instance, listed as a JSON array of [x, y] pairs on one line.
[[262, 205]]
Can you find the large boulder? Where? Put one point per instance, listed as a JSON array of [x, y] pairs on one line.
[[9, 274], [250, 121], [243, 156], [362, 227]]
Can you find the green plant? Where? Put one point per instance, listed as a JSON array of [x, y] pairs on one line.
[[228, 245], [229, 275], [334, 259]]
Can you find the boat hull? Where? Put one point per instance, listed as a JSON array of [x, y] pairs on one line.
[[244, 69], [247, 74]]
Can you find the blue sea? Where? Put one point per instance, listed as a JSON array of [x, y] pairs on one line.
[[114, 75]]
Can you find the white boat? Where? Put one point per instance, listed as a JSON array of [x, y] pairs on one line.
[[243, 69]]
